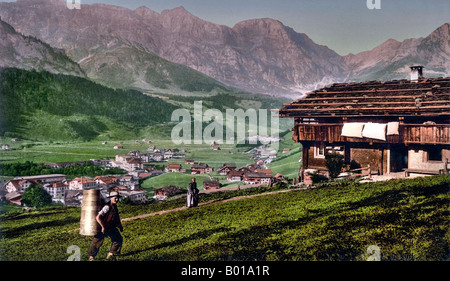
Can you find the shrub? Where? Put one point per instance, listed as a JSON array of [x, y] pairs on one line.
[[317, 178], [334, 163], [36, 196]]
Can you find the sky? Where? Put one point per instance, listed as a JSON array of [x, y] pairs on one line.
[[345, 26]]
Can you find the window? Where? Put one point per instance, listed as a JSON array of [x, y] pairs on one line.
[[319, 151], [434, 154], [309, 121]]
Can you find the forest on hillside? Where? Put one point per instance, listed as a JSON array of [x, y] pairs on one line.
[[27, 94]]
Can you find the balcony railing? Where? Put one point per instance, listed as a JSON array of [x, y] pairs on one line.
[[408, 133], [426, 134]]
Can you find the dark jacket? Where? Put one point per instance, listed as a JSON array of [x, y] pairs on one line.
[[111, 219], [193, 188]]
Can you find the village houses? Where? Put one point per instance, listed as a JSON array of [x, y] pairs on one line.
[[70, 191], [226, 168], [201, 169], [128, 162], [256, 178], [173, 168], [211, 184], [19, 185], [57, 190], [82, 183]]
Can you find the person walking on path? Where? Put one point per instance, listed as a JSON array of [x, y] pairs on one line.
[[192, 196], [109, 221]]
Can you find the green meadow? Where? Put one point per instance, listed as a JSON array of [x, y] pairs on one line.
[[407, 220]]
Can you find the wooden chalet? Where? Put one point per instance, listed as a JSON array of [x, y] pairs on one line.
[[211, 184], [167, 191], [400, 125], [174, 168], [256, 178], [201, 169]]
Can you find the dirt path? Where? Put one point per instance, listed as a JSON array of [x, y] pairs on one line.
[[211, 203], [208, 203]]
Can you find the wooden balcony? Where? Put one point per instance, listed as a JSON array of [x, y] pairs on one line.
[[426, 134], [408, 134]]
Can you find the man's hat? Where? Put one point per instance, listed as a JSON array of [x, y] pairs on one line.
[[114, 194]]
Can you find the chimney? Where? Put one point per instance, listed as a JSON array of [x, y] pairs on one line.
[[416, 73]]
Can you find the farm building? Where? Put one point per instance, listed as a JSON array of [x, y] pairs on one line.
[[43, 179], [201, 169], [234, 176], [173, 168], [19, 185], [211, 184], [256, 178], [167, 191], [392, 126], [226, 168]]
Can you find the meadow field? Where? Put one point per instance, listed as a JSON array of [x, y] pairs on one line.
[[404, 219]]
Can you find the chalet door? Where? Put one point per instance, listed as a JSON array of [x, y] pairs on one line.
[[399, 158]]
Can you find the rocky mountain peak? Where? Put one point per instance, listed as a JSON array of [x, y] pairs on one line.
[[178, 14], [442, 32], [261, 28], [17, 50], [258, 55], [145, 12]]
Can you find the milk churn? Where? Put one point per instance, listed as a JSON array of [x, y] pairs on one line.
[[90, 207]]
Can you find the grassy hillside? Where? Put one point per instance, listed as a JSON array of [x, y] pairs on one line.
[[44, 106], [131, 67], [406, 219], [287, 163]]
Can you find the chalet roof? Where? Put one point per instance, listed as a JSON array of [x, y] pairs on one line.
[[199, 166], [59, 185], [40, 177], [211, 182], [256, 175], [18, 183], [134, 161], [234, 174], [268, 172], [13, 195], [82, 180], [106, 179], [174, 166], [427, 97]]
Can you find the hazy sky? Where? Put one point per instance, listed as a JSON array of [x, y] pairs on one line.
[[346, 26]]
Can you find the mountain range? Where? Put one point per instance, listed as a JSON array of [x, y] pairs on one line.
[[175, 50], [28, 53]]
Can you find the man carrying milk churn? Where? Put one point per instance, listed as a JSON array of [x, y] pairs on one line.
[[192, 196], [109, 222]]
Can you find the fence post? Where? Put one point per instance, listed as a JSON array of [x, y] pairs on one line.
[[446, 166]]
